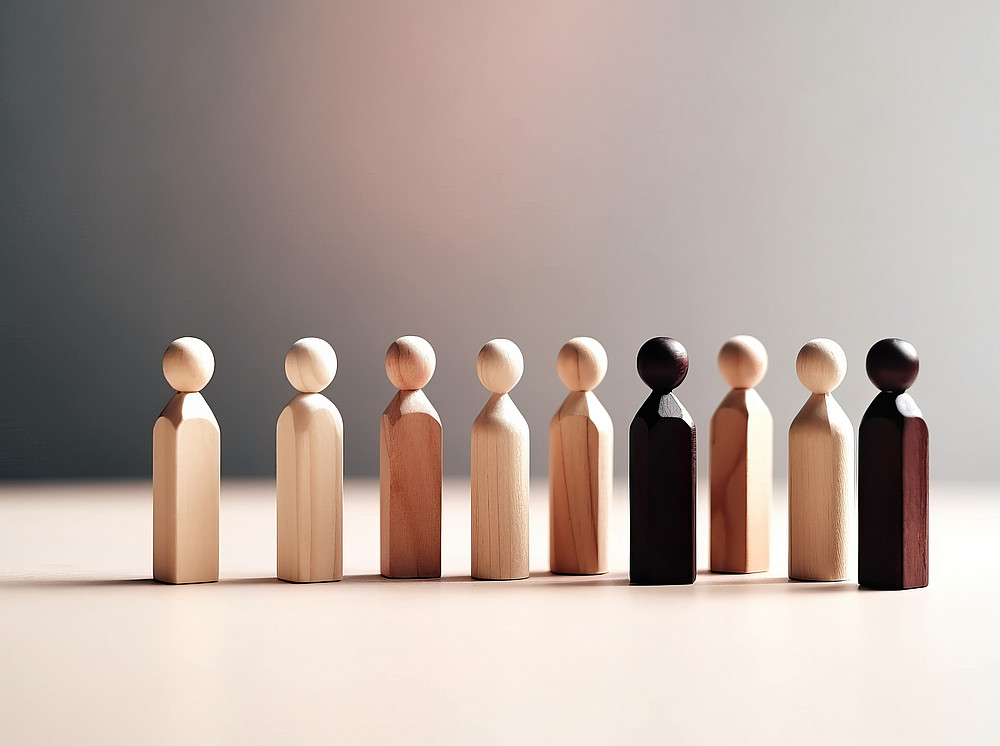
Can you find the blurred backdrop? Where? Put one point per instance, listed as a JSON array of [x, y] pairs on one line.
[[255, 172]]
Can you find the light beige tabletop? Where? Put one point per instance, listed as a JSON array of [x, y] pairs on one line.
[[92, 651]]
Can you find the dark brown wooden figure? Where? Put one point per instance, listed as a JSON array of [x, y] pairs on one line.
[[892, 475], [662, 472]]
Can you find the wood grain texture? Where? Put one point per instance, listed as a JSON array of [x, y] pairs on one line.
[[581, 454], [741, 466], [820, 485], [310, 490], [500, 492], [310, 365], [893, 481], [410, 437], [186, 451]]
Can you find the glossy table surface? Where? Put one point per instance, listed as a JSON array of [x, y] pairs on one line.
[[93, 651]]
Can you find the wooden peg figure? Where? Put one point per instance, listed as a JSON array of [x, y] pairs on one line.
[[742, 458], [410, 466], [820, 474], [581, 453], [186, 471], [662, 455], [892, 475], [500, 470], [310, 469]]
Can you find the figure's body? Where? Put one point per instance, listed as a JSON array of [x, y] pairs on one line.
[[820, 473], [186, 451], [500, 470], [741, 463], [581, 454], [410, 466], [662, 476], [893, 481], [310, 470]]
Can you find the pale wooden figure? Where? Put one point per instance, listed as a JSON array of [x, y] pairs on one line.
[[186, 471], [742, 459], [820, 469], [310, 470], [581, 454], [410, 466], [500, 470]]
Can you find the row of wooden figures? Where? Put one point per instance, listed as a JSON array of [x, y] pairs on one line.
[[892, 461]]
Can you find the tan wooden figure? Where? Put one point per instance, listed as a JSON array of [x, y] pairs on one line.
[[410, 466], [310, 470], [742, 461], [820, 469], [186, 471], [500, 470], [581, 454]]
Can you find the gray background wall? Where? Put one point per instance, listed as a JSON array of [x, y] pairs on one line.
[[254, 172]]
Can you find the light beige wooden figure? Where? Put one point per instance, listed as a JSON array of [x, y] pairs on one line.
[[820, 469], [410, 466], [310, 470], [742, 461], [500, 470], [581, 454], [186, 471]]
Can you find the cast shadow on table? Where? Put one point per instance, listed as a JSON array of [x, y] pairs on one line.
[[56, 582], [536, 579], [349, 580], [706, 579], [735, 580]]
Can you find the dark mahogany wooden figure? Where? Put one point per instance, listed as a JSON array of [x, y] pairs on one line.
[[662, 472], [892, 475]]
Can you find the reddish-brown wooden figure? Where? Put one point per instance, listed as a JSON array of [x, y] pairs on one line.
[[662, 472], [741, 463], [892, 475], [410, 465]]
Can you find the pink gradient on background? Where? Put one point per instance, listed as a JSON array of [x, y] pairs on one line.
[[254, 173]]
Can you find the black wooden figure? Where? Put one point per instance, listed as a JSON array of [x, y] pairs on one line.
[[892, 475], [662, 472]]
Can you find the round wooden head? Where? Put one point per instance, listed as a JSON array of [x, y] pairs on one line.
[[582, 363], [310, 365], [662, 363], [188, 364], [500, 365], [892, 365], [743, 361], [410, 363], [821, 365]]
